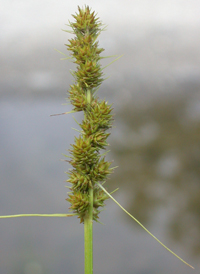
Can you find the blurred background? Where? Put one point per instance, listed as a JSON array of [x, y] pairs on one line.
[[155, 90]]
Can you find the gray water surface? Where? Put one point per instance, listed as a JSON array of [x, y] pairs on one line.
[[33, 181]]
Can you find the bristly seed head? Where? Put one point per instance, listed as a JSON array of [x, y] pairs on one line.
[[88, 165]]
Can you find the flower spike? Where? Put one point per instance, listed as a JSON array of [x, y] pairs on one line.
[[89, 166]]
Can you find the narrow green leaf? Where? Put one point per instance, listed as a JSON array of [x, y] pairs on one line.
[[143, 226], [112, 62], [68, 57], [38, 215], [73, 111]]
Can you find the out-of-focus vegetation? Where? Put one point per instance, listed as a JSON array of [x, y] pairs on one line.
[[157, 149]]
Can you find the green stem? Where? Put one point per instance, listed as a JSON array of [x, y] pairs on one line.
[[88, 233], [88, 96], [38, 215], [88, 221]]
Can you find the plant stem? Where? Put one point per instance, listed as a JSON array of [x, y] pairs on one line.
[[88, 222], [89, 166], [88, 234]]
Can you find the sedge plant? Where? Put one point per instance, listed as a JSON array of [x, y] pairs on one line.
[[89, 169]]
